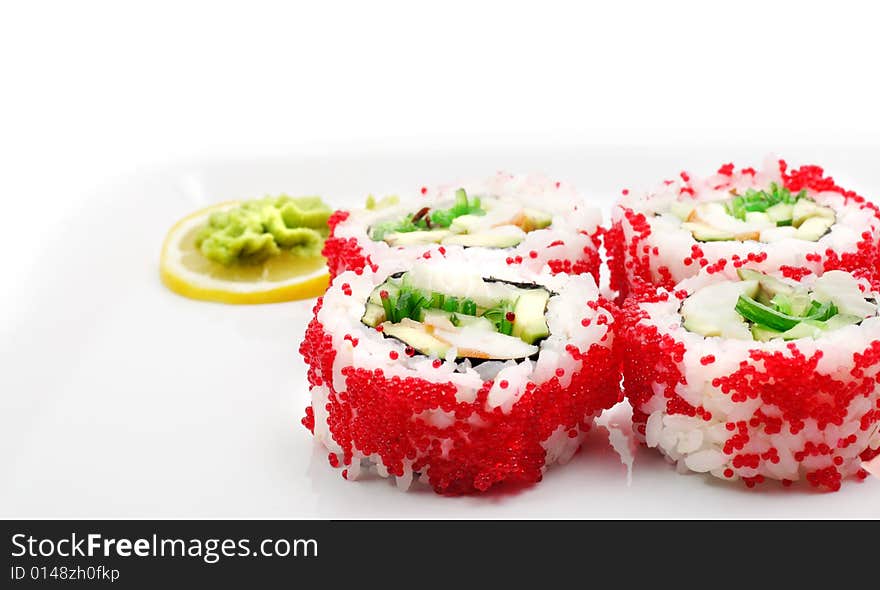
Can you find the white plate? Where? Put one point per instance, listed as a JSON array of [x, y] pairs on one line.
[[122, 399]]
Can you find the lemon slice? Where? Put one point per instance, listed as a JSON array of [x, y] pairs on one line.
[[186, 271]]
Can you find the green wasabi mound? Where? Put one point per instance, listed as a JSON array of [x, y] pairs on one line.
[[259, 229]]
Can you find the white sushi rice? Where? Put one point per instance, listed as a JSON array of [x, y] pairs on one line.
[[695, 444], [573, 223], [340, 316]]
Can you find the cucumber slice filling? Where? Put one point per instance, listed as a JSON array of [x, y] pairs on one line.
[[767, 215], [460, 224], [772, 317], [777, 309], [432, 323]]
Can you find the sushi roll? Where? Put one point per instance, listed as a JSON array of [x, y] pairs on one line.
[[525, 222], [460, 380], [795, 222], [752, 376]]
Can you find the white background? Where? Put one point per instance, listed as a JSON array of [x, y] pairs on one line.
[[91, 92]]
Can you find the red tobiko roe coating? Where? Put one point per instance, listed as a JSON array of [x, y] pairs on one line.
[[342, 254], [788, 381], [630, 262], [378, 415]]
